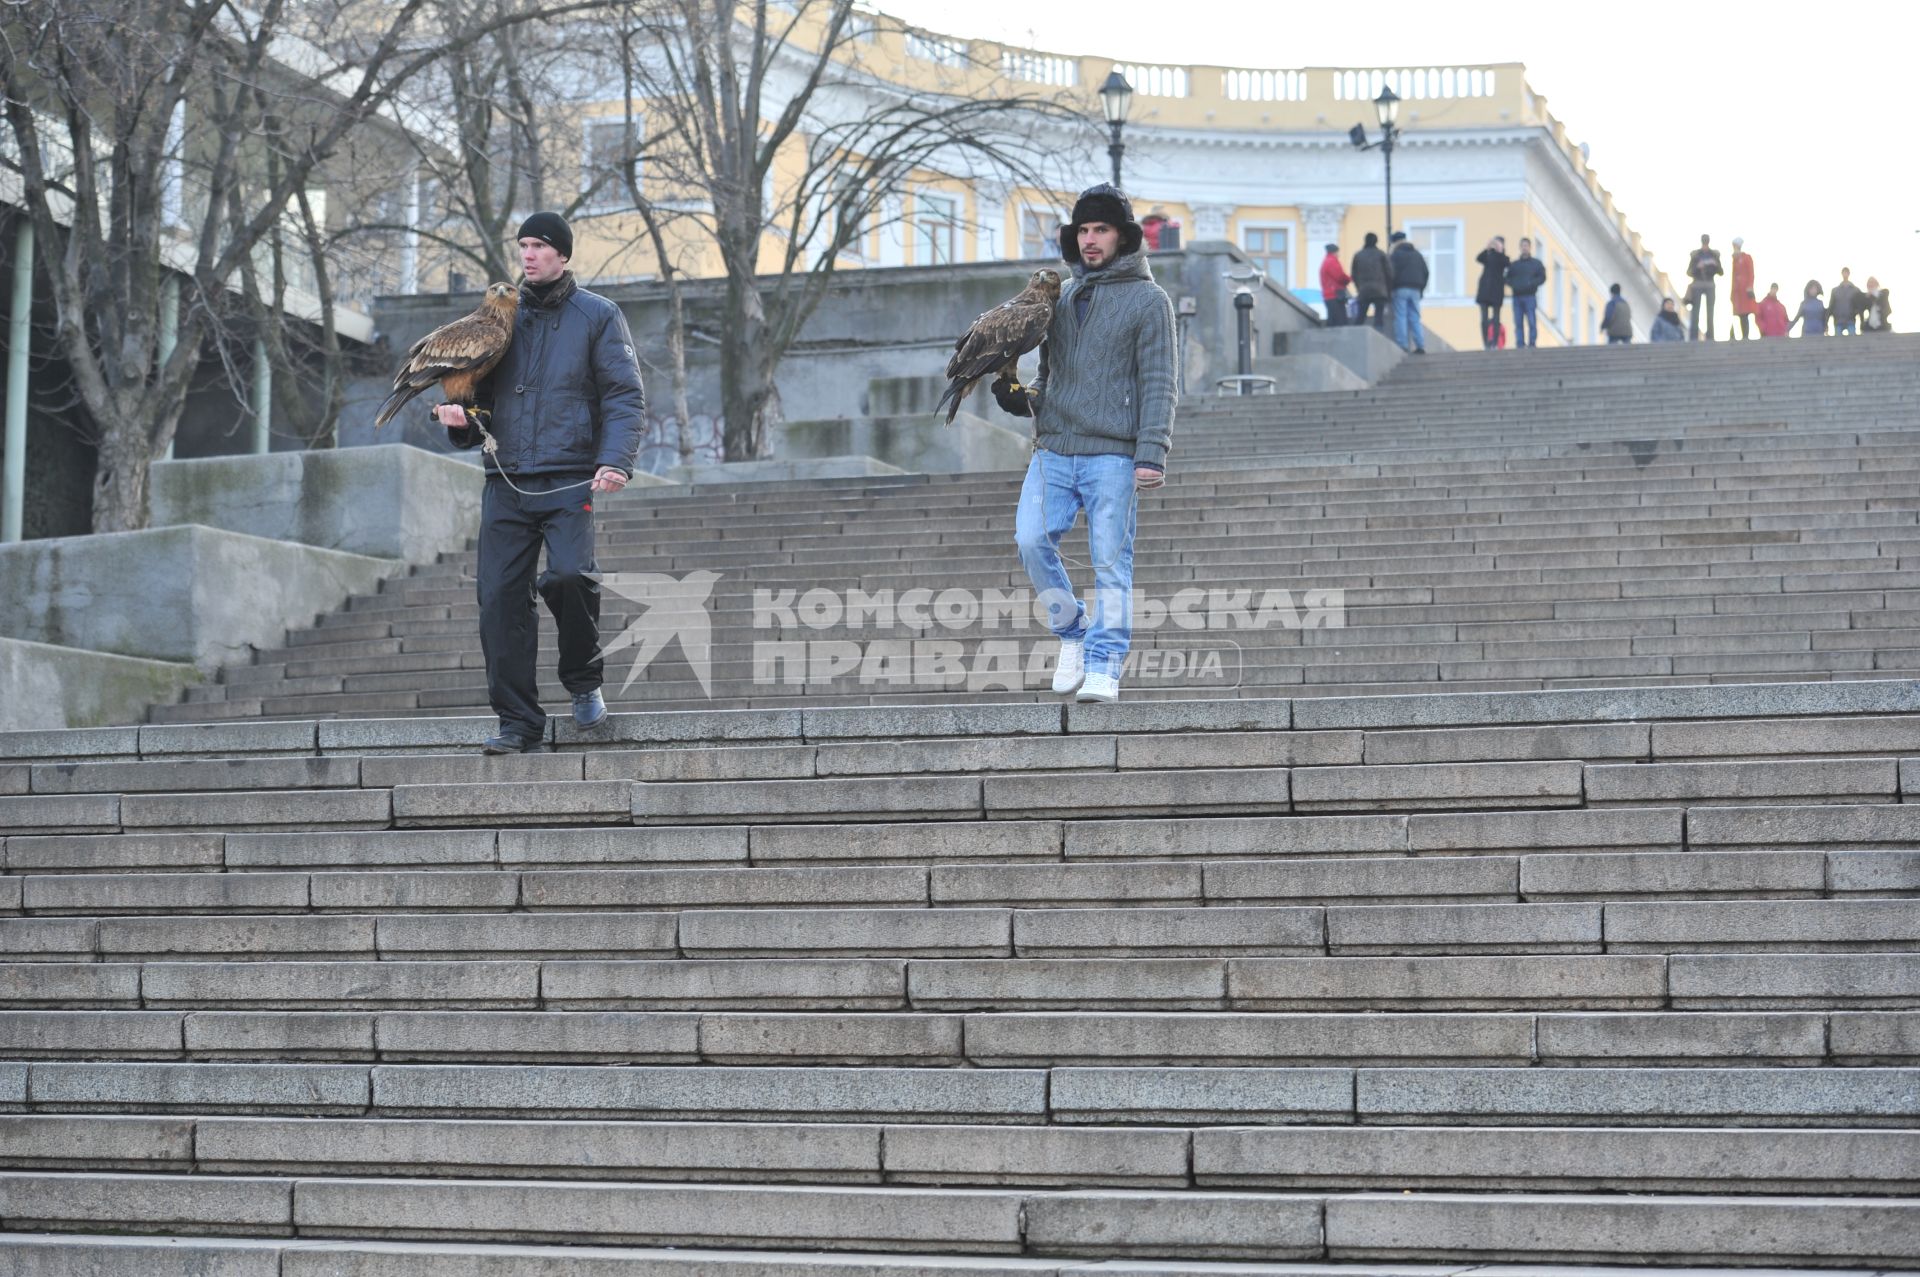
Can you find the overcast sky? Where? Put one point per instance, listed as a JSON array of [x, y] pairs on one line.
[[1790, 125]]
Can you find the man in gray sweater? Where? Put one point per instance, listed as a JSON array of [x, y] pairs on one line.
[[1102, 406]]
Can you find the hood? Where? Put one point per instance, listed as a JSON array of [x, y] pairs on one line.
[[1123, 269]]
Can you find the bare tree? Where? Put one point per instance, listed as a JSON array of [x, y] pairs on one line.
[[122, 199], [763, 117]]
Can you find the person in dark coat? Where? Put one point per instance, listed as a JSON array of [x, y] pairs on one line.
[[1526, 275], [568, 412], [1409, 282], [1845, 304], [1492, 293], [1372, 281], [1702, 268]]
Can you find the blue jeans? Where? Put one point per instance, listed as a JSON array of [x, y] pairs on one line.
[[1526, 320], [1406, 319], [1057, 488]]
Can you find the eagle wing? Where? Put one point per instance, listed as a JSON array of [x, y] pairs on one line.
[[994, 343], [456, 355]]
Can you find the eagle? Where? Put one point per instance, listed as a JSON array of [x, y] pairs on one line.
[[998, 338], [457, 355]]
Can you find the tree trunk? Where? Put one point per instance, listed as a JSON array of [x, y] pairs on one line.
[[749, 404], [677, 368], [120, 472]]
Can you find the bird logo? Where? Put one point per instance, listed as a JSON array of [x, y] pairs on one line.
[[676, 607]]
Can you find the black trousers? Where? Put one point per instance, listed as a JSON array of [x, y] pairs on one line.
[[513, 527], [1382, 312]]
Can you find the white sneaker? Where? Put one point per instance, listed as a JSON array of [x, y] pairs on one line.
[[1102, 689], [1071, 668]]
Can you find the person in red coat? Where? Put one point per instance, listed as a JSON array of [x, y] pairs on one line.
[[1744, 304], [1772, 314], [1333, 286]]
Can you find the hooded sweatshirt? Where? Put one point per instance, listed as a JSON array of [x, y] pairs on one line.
[[1106, 378]]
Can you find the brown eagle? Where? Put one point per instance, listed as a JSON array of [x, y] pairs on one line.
[[998, 338], [457, 355]]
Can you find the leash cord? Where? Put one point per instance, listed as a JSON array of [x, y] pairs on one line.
[[491, 447]]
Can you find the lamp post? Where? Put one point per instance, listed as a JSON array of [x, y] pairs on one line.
[[1116, 96], [1387, 107]]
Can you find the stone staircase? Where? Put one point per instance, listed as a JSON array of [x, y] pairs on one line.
[[1587, 963], [1500, 524]]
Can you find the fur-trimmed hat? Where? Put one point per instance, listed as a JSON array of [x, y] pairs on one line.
[[1102, 203]]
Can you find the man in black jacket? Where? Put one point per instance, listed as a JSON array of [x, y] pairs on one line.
[[1410, 275], [1526, 275], [1372, 281], [568, 412], [1701, 269]]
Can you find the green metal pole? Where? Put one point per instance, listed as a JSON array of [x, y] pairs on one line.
[[262, 397], [13, 485], [169, 327]]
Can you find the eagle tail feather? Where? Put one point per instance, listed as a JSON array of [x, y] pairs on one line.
[[395, 402]]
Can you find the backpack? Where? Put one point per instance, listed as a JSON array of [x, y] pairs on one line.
[[1619, 318]]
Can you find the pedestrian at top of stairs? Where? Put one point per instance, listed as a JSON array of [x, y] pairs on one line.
[[1410, 279], [1617, 321], [1812, 315], [1333, 287], [1844, 305], [1102, 404], [1702, 268], [1666, 324], [568, 410], [1745, 304], [1772, 314], [1492, 290], [1876, 309]]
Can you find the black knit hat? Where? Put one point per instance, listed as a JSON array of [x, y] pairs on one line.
[[550, 228], [1102, 203]]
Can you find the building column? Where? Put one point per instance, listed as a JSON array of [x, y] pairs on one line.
[[169, 331], [262, 397], [13, 486]]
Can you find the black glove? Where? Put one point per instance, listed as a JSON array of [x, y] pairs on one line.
[[1016, 400]]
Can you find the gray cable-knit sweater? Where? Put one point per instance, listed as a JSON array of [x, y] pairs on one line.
[[1106, 384]]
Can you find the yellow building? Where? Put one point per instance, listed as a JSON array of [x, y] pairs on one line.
[[1258, 157]]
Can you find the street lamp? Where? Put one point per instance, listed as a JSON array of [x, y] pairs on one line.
[[1387, 108], [1116, 96]]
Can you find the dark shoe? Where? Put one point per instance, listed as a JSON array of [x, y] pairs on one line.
[[1419, 350], [508, 743], [589, 710]]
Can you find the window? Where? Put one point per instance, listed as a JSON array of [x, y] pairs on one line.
[[605, 149], [1559, 290], [1593, 328], [1039, 233], [1569, 320], [935, 224], [1270, 249], [1439, 243]]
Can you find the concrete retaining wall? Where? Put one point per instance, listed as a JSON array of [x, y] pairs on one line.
[[390, 501], [42, 686], [192, 594]]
